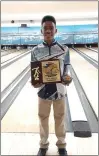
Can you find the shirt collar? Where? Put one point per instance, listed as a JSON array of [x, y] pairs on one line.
[[53, 43]]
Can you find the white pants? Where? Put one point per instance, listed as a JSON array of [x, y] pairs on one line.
[[59, 117]]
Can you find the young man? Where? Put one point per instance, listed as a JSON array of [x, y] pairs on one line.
[[52, 93]]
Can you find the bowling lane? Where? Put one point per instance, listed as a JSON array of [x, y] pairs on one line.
[[23, 114], [90, 53], [7, 52], [88, 76], [10, 72], [12, 55]]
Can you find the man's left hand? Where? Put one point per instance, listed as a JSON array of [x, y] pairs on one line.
[[66, 79]]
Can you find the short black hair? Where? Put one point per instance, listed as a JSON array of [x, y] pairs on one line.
[[48, 18]]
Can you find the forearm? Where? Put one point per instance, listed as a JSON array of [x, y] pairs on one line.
[[66, 78], [66, 69]]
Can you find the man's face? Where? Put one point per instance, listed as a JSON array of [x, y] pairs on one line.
[[48, 30]]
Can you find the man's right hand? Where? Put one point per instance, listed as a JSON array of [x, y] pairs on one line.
[[37, 85]]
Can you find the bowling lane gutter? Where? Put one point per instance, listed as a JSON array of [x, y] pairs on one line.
[[10, 52], [14, 60], [13, 57], [86, 57], [89, 111], [92, 49], [6, 90], [15, 87]]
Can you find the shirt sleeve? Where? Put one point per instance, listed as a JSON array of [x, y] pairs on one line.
[[66, 70], [67, 57], [33, 54]]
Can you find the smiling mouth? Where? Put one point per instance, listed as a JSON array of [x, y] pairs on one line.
[[48, 35]]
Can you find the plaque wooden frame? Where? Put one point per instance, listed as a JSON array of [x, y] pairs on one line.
[[46, 71]]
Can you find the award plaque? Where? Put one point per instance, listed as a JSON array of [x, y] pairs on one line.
[[46, 71]]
